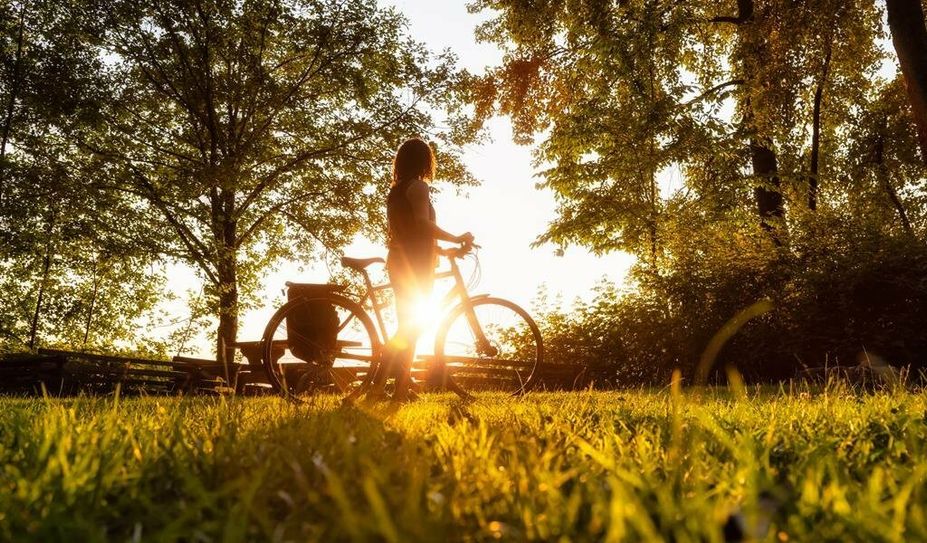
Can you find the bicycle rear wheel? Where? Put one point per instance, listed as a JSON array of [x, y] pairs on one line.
[[508, 358], [318, 344]]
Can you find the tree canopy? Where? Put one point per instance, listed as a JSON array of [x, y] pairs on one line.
[[744, 150], [245, 132], [77, 263], [748, 104]]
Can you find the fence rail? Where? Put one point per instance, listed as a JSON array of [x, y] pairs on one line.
[[59, 372]]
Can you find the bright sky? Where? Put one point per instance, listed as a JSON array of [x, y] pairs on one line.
[[505, 213]]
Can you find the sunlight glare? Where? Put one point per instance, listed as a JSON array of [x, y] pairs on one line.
[[428, 312]]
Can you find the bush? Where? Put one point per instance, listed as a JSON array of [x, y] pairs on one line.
[[839, 292]]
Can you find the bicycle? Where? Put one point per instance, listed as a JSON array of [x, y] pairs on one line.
[[482, 341]]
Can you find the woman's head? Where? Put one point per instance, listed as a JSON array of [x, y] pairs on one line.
[[414, 160]]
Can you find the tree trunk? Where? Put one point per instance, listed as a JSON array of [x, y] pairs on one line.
[[653, 194], [226, 232], [46, 267], [815, 153], [816, 135], [909, 36], [11, 102], [227, 332], [879, 159], [93, 301], [896, 201], [767, 193]]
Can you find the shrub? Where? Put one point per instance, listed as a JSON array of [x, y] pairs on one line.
[[839, 291]]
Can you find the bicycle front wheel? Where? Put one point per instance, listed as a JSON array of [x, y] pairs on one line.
[[489, 344], [319, 343]]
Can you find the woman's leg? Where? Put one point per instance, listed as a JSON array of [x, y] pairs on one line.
[[403, 343], [411, 285]]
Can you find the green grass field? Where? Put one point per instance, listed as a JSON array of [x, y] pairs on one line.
[[586, 466]]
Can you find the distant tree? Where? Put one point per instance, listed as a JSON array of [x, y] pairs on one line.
[[57, 233], [261, 129], [884, 171]]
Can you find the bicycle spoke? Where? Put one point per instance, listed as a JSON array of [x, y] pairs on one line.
[[501, 354], [319, 345]]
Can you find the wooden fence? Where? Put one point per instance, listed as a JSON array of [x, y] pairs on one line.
[[57, 372]]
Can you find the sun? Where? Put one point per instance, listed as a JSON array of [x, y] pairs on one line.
[[428, 311]]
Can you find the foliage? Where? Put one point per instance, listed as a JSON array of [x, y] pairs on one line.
[[75, 271], [743, 151], [76, 265], [230, 135], [635, 466], [651, 109], [89, 303], [853, 291]]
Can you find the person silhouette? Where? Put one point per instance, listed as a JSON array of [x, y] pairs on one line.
[[412, 236]]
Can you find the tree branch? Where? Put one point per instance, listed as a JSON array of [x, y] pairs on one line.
[[726, 19], [196, 247], [300, 158], [198, 251], [713, 90], [270, 212]]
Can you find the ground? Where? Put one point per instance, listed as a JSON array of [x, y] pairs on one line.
[[672, 465]]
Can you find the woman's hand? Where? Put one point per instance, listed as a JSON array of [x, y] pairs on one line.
[[464, 239]]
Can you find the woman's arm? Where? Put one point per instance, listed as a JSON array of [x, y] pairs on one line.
[[417, 194]]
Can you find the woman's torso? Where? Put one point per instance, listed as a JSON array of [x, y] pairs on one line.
[[406, 235]]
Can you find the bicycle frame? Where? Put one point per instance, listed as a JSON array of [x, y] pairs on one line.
[[458, 291]]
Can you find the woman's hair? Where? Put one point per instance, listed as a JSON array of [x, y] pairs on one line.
[[414, 159]]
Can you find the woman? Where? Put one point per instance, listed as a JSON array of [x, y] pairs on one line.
[[412, 238]]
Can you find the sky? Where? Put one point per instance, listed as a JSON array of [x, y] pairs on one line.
[[505, 213]]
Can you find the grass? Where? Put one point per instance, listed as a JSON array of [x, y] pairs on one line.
[[590, 466]]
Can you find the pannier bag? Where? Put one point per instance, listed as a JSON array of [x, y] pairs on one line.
[[312, 327]]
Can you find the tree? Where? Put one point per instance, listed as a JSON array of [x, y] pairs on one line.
[[616, 85], [626, 92], [884, 163], [602, 83], [12, 78], [909, 35], [805, 66], [56, 231], [261, 129]]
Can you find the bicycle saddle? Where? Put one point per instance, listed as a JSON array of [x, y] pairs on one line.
[[360, 264]]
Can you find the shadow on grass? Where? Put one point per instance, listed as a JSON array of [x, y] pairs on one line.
[[280, 471]]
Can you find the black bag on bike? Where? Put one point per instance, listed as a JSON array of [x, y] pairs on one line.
[[312, 328]]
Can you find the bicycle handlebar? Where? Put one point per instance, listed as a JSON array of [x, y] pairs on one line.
[[457, 252], [460, 251]]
